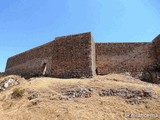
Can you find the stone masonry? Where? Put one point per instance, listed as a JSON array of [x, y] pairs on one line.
[[78, 56], [66, 57]]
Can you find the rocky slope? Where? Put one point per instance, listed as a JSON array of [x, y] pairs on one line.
[[110, 97]]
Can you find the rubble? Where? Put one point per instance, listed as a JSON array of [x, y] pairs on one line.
[[132, 96], [151, 74], [33, 95], [80, 92], [2, 74], [8, 82]]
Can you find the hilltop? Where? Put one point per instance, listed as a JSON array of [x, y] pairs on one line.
[[108, 97]]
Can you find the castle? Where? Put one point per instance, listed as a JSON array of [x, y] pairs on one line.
[[78, 56]]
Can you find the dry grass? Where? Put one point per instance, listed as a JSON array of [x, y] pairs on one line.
[[50, 104]]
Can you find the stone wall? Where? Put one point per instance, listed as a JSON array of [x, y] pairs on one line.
[[72, 56], [77, 56], [156, 43], [2, 74], [123, 57], [31, 61], [93, 56], [67, 56]]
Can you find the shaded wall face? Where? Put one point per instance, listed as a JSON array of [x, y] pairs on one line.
[[123, 57], [156, 43], [72, 56], [31, 62]]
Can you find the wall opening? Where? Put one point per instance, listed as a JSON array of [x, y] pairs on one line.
[[44, 68], [96, 71]]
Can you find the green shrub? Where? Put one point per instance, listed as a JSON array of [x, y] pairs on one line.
[[17, 93]]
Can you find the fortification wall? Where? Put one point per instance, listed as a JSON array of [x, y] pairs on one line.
[[72, 56], [31, 61], [93, 56], [77, 56], [123, 57], [156, 43]]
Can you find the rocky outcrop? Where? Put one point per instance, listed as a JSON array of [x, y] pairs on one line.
[[131, 96]]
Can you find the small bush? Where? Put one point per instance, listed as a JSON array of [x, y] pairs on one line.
[[17, 93]]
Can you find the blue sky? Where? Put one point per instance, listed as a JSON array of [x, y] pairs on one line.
[[25, 24]]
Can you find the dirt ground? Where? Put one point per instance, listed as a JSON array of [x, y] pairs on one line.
[[54, 99]]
